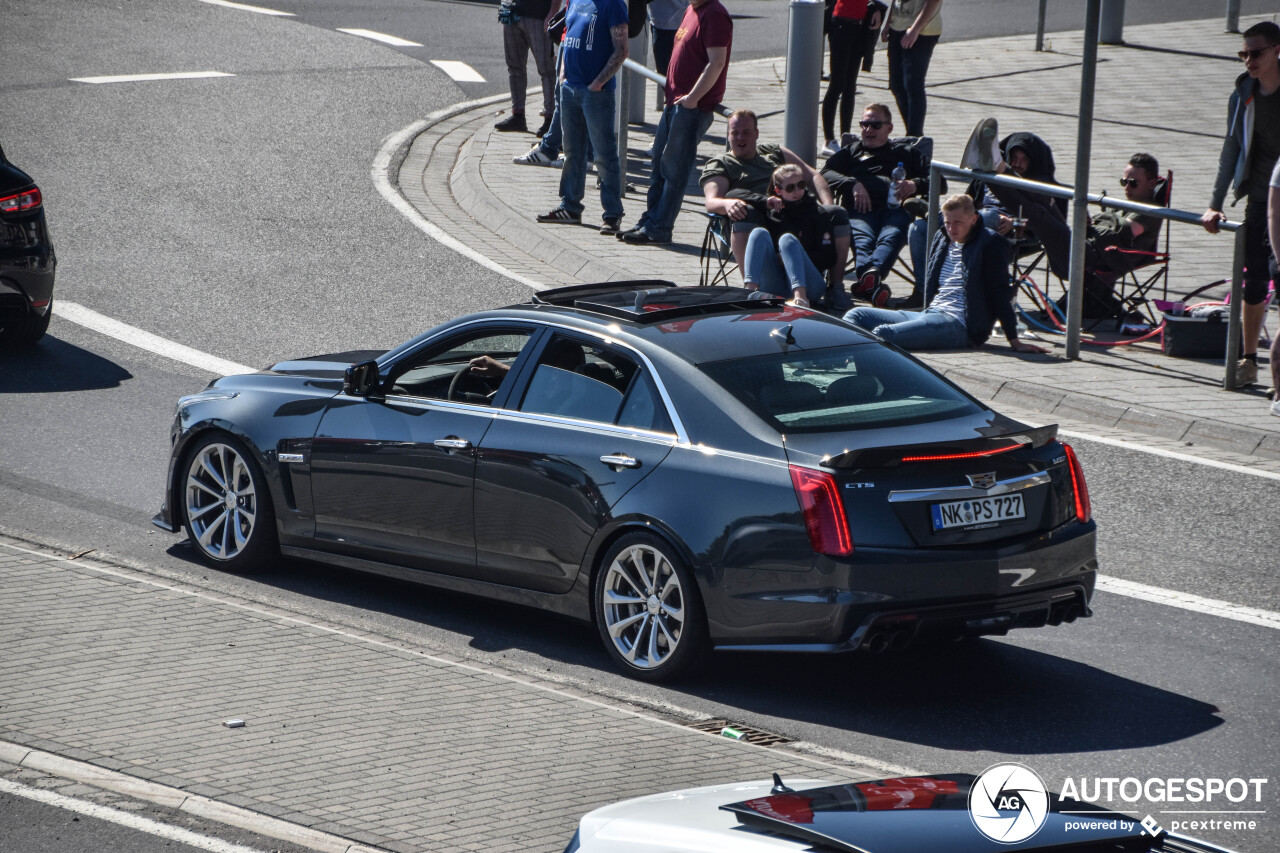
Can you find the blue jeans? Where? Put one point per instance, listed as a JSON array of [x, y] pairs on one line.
[[907, 68], [878, 237], [552, 140], [928, 329], [675, 146], [584, 115], [780, 272]]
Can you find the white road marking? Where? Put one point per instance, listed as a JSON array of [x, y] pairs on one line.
[[123, 818], [380, 172], [102, 324], [140, 78], [245, 8], [394, 41], [1171, 454], [459, 71], [1187, 601]]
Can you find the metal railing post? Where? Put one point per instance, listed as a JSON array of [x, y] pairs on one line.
[[1233, 16], [639, 51], [1235, 313], [1079, 205], [1040, 26], [1111, 24], [804, 78], [935, 190], [622, 98]]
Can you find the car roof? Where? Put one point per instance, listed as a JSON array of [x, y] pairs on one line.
[[699, 324], [910, 814]]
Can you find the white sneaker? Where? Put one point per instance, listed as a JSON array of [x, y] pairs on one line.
[[1275, 408], [557, 163], [533, 157], [831, 148], [982, 151]]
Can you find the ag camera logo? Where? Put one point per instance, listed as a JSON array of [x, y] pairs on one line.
[[1008, 803]]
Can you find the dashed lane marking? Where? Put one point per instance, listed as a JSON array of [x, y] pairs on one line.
[[394, 41], [1187, 601], [123, 818], [104, 325], [246, 8], [459, 71], [142, 78]]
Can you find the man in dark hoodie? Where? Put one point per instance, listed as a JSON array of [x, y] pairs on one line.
[[967, 288], [1249, 153]]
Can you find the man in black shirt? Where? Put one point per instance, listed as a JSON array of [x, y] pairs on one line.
[[1249, 153], [524, 31], [861, 178]]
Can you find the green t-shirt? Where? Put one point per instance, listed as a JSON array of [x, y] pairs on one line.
[[751, 175]]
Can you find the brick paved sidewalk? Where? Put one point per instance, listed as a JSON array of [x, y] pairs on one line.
[[349, 734], [1164, 92]]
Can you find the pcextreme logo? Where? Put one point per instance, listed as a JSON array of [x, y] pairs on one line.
[[1008, 803]]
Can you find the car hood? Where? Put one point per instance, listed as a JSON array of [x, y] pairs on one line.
[[691, 820], [331, 366]]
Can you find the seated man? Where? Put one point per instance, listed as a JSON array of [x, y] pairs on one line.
[[1028, 157], [745, 171], [861, 176], [1131, 231], [967, 288]]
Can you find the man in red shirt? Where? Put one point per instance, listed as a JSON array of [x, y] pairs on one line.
[[695, 84]]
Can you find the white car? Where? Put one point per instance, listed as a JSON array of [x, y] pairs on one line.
[[920, 814]]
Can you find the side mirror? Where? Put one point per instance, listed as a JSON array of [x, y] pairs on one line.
[[361, 379]]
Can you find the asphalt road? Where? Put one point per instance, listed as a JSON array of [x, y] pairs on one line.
[[237, 215]]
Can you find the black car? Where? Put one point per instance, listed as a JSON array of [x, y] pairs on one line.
[[683, 466], [27, 260]]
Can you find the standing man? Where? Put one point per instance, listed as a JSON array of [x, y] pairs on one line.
[[524, 31], [593, 49], [1249, 153], [695, 84]]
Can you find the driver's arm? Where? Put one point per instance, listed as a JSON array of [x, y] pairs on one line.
[[487, 367]]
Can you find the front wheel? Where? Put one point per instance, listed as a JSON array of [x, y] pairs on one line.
[[227, 507], [28, 331], [647, 609]]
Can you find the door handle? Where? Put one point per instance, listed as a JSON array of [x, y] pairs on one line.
[[452, 443], [620, 460]]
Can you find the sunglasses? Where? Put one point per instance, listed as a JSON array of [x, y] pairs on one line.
[[871, 125], [1128, 182], [792, 187], [1246, 55]]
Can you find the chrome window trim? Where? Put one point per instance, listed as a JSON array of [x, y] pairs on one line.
[[427, 403], [952, 493], [594, 426], [674, 416]]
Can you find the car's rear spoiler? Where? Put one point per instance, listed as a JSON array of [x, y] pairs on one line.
[[888, 457]]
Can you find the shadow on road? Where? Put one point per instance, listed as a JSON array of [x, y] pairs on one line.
[[53, 366]]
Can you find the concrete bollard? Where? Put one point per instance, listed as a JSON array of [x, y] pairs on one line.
[[1111, 23], [804, 78]]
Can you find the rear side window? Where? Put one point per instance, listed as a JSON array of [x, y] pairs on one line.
[[841, 388]]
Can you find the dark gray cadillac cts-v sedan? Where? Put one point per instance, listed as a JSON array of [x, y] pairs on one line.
[[687, 468]]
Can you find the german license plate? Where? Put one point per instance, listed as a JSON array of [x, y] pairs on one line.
[[975, 512]]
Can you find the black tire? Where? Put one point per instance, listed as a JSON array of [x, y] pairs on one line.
[[27, 332], [648, 609], [240, 535]]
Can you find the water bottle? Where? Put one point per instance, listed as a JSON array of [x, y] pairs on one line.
[[899, 175]]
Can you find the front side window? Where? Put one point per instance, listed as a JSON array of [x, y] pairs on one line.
[[469, 368], [840, 388]]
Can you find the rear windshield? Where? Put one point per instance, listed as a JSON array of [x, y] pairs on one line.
[[841, 388]]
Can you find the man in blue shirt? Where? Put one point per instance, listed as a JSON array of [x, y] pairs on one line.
[[593, 49]]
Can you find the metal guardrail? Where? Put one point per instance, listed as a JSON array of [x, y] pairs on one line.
[[1234, 332]]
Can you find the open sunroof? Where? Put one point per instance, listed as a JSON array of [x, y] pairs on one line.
[[654, 300]]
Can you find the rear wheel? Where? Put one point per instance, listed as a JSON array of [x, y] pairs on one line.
[[227, 507], [647, 609], [27, 331]]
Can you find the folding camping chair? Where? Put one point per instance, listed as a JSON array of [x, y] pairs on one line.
[[1144, 270], [715, 258]]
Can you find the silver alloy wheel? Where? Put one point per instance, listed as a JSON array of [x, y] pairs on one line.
[[221, 501], [644, 606]]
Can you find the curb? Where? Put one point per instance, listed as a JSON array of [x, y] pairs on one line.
[[174, 798]]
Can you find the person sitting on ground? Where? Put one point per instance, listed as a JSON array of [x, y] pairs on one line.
[[861, 176], [1135, 233], [1029, 157], [747, 167], [801, 239], [967, 288]]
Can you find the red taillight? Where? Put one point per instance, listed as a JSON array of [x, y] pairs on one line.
[[1084, 509], [823, 512], [21, 201], [974, 455]]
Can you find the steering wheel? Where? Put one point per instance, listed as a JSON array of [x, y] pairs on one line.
[[468, 396], [457, 377]]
